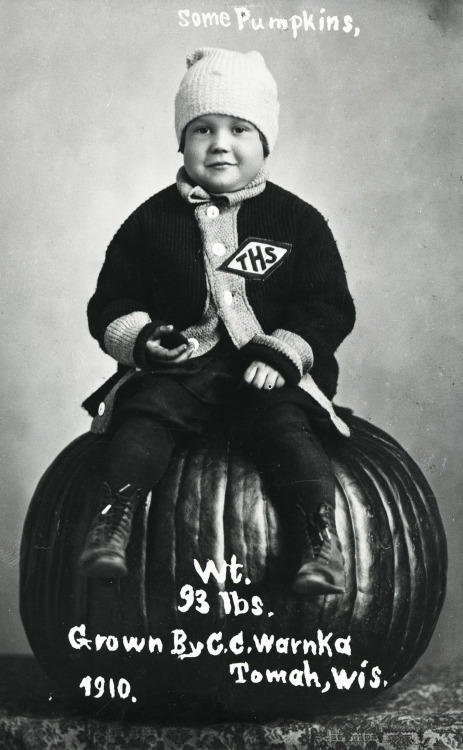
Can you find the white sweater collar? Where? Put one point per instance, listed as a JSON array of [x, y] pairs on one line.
[[196, 194]]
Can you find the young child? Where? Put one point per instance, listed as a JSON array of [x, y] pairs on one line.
[[223, 290]]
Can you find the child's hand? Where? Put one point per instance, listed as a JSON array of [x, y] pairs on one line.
[[261, 376], [157, 353]]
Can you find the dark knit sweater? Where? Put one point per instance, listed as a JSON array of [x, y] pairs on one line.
[[155, 264]]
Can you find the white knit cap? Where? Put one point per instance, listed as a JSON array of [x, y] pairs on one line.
[[220, 81]]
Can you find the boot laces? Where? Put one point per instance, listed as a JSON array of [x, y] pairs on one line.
[[113, 518], [320, 533]]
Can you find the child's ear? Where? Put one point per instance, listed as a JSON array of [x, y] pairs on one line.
[[264, 144]]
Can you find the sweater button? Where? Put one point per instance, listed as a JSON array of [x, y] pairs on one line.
[[194, 343], [212, 212], [101, 409], [228, 298], [218, 248]]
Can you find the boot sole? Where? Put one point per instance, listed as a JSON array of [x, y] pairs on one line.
[[103, 567], [314, 585]]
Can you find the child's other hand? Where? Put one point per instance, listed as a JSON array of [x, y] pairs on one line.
[[261, 376], [157, 354]]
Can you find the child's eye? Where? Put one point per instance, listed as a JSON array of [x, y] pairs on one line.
[[202, 129], [239, 129]]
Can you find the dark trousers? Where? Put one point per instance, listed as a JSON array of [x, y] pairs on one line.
[[282, 430]]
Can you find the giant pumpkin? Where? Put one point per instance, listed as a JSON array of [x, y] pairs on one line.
[[211, 505]]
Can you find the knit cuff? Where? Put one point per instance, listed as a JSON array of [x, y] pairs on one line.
[[262, 348], [139, 349], [285, 351], [121, 335], [117, 309], [300, 346]]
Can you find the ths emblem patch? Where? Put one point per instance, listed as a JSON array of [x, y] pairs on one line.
[[256, 258]]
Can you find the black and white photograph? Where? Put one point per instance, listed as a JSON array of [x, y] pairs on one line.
[[231, 412]]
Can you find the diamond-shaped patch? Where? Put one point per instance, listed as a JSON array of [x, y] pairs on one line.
[[256, 258]]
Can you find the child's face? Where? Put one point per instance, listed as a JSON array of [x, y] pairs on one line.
[[222, 153]]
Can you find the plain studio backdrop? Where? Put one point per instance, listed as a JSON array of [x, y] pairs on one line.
[[368, 134]]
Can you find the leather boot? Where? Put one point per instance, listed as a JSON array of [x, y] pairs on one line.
[[322, 569], [103, 555]]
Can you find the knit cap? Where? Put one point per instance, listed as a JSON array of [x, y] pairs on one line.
[[220, 81]]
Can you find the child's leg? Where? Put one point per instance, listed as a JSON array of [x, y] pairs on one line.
[[292, 459], [136, 459], [138, 454], [147, 426], [300, 477]]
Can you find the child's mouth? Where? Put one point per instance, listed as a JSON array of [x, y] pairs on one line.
[[220, 165]]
